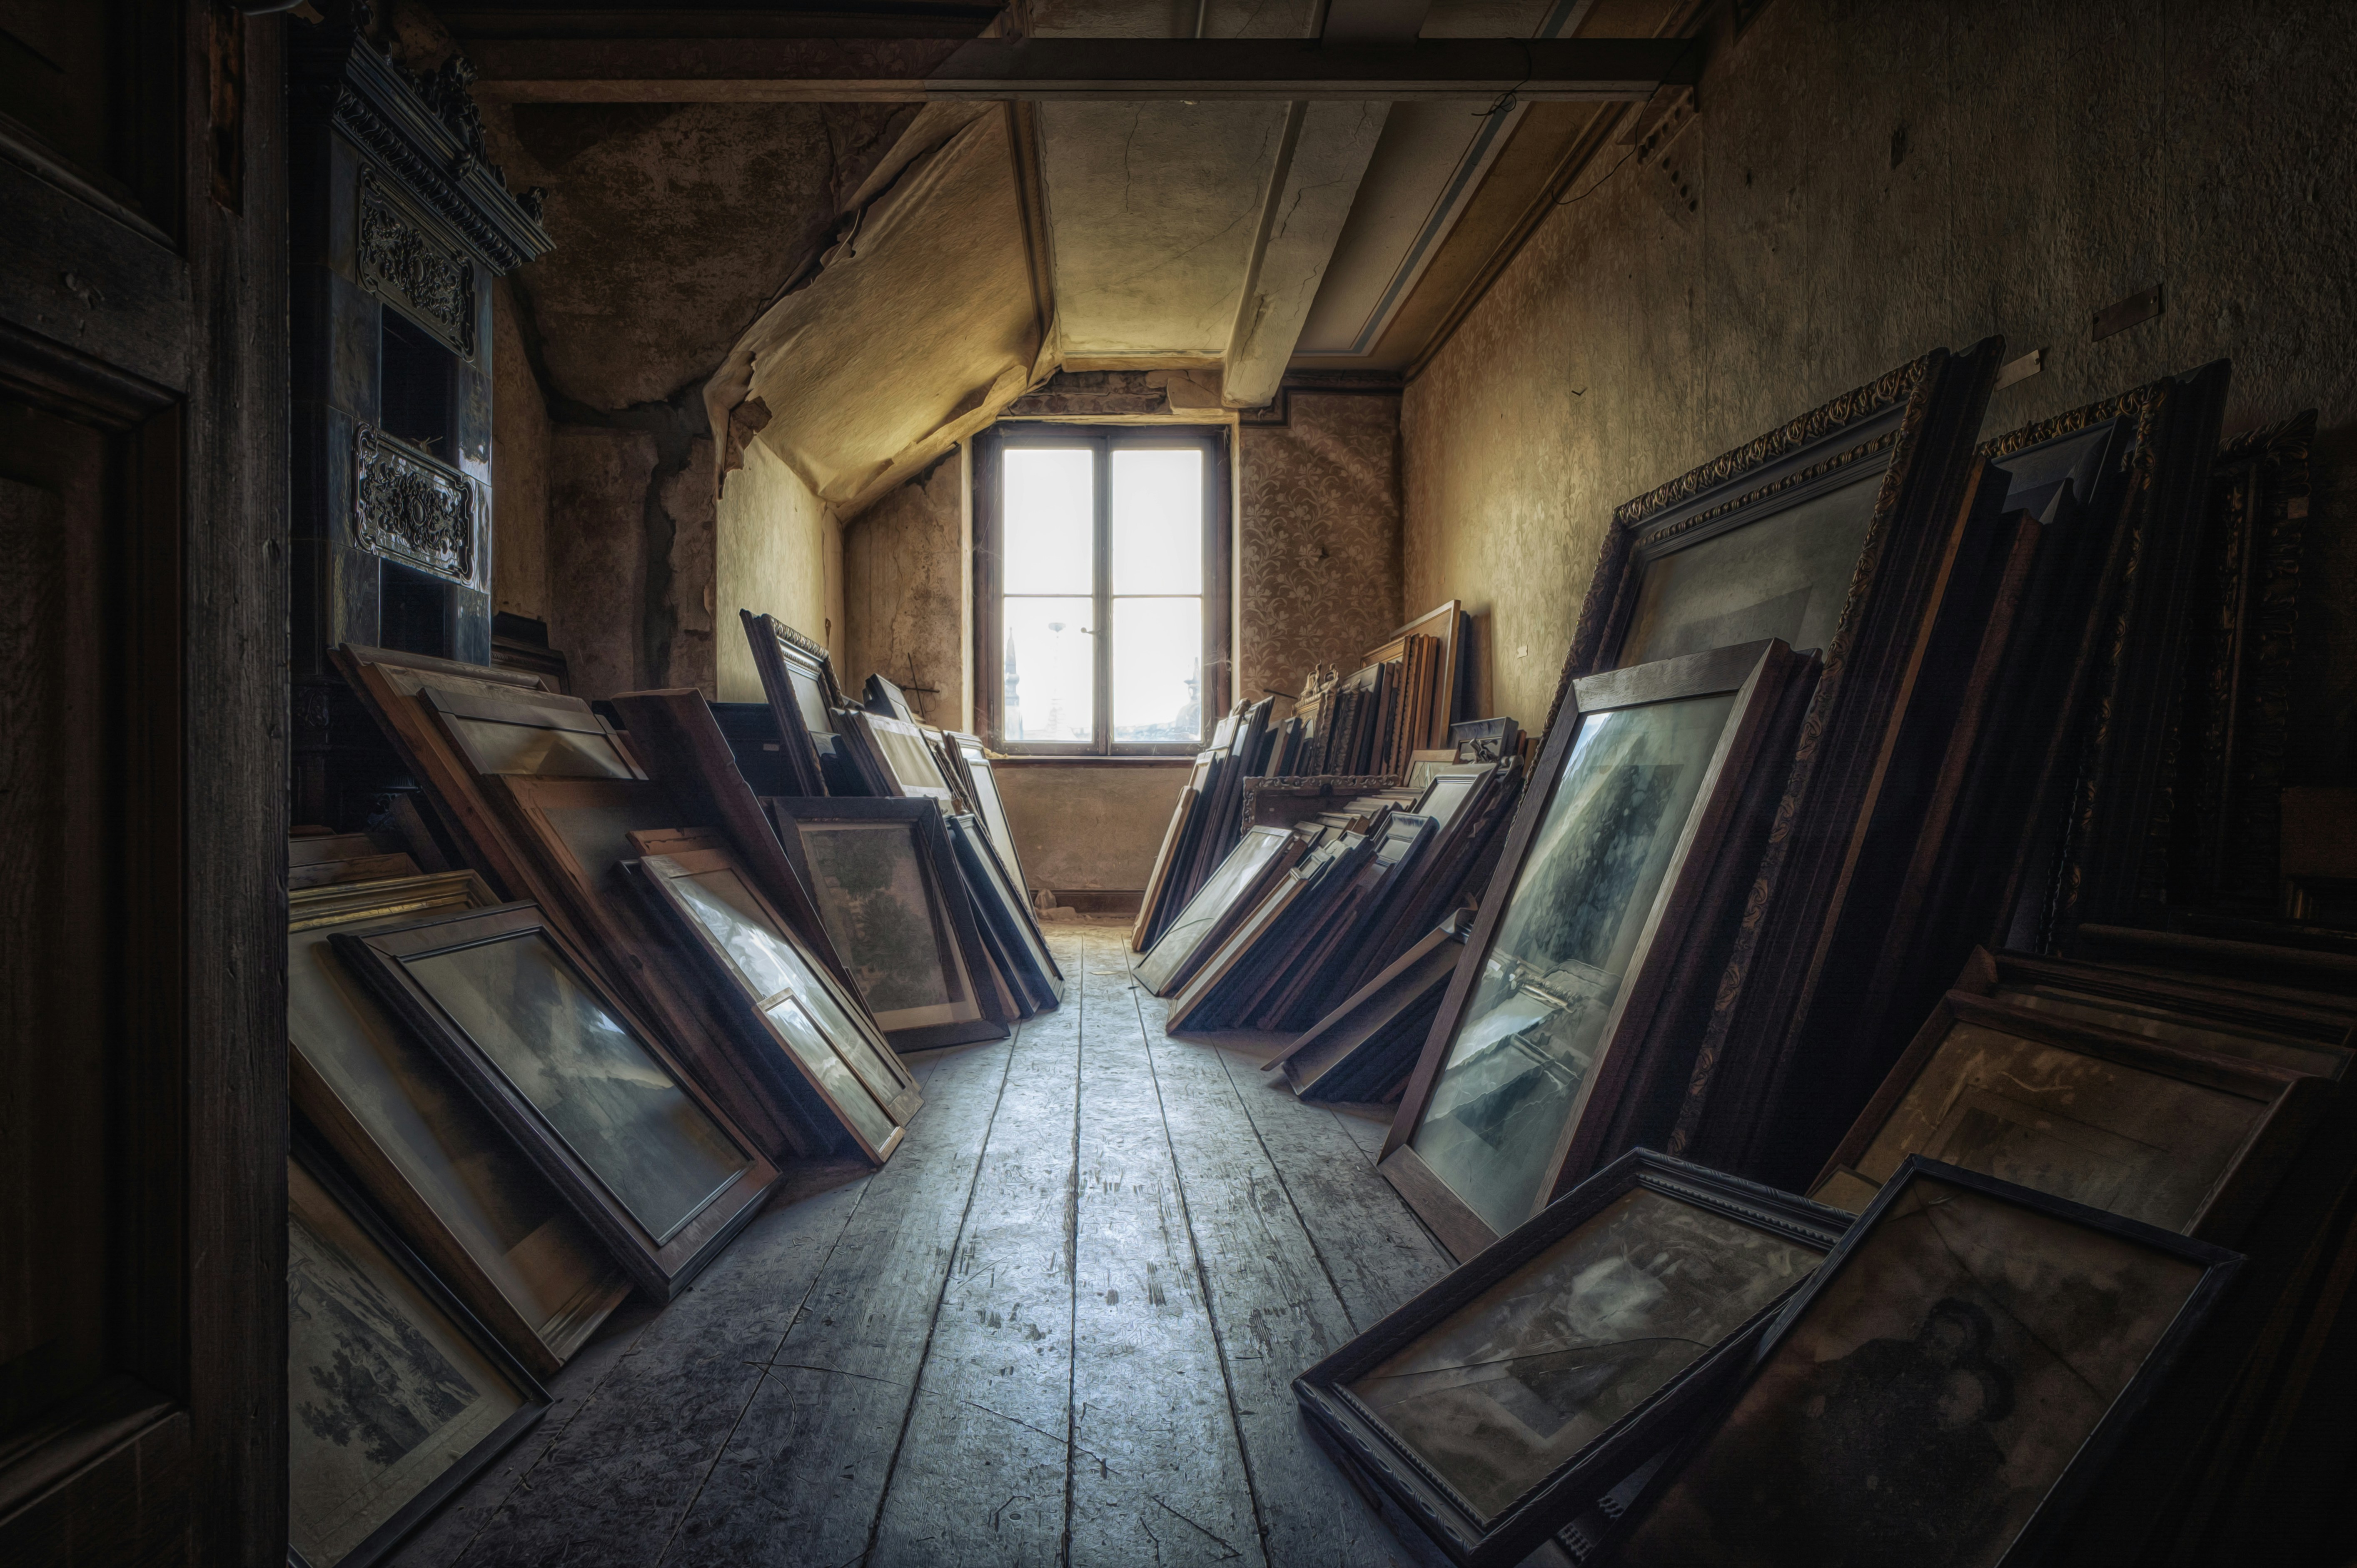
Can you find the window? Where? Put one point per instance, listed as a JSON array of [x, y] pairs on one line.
[[1101, 590]]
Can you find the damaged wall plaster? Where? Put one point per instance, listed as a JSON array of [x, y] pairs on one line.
[[904, 594], [779, 551]]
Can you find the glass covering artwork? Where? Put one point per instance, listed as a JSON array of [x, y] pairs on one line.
[[1530, 1032], [871, 891], [615, 1106], [1525, 1375], [823, 1037], [1786, 575], [384, 1394]]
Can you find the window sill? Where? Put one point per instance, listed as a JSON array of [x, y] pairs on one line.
[[1079, 761]]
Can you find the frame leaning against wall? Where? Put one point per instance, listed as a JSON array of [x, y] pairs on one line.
[[1218, 533]]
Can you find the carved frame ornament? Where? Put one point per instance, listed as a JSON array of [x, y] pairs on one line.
[[401, 260], [411, 508]]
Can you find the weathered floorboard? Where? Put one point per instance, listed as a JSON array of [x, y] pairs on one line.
[[1353, 1214], [979, 1477], [1274, 1305], [801, 1479], [1157, 1473]]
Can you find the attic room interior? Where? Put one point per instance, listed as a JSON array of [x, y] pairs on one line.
[[1172, 782]]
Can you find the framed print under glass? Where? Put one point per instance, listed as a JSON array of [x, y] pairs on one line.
[[395, 1398], [631, 1141], [1502, 1400], [1941, 1391], [798, 678], [406, 1127], [998, 904], [836, 1055], [2185, 1138], [1251, 869], [894, 902], [1607, 884]]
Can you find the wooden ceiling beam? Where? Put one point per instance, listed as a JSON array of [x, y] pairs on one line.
[[1070, 71]]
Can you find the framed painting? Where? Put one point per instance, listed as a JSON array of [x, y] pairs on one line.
[[808, 1033], [633, 1142], [1152, 916], [1363, 1051], [1324, 971], [1230, 975], [2312, 1035], [572, 836], [798, 677], [1001, 905], [1973, 1349], [396, 1398], [409, 1131], [988, 802], [887, 885], [1500, 1402], [907, 761], [1842, 531], [1571, 1013], [2170, 1135], [1243, 879], [1485, 740]]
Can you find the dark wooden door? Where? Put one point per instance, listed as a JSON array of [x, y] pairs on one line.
[[143, 399]]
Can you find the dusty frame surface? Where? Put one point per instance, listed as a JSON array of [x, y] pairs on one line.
[[662, 1264]]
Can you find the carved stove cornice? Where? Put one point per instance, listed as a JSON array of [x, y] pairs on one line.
[[423, 132]]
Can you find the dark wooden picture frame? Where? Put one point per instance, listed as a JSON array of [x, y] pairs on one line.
[[358, 1115], [664, 859], [1643, 1053], [977, 1014], [589, 747], [1909, 435], [1392, 1463], [381, 1542], [1224, 901], [999, 902], [2038, 1532], [902, 755], [1363, 1051], [661, 1265], [782, 655], [2283, 1106]]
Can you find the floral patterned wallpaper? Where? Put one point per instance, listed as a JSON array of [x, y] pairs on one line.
[[1318, 538]]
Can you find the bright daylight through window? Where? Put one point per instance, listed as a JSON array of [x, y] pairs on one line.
[[1106, 629]]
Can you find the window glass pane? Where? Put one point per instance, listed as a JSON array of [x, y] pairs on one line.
[[1048, 672], [1157, 523], [1050, 498], [1158, 670]]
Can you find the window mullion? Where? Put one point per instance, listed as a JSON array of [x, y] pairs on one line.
[[1102, 652]]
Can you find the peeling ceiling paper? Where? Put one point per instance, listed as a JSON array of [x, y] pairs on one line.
[[912, 336]]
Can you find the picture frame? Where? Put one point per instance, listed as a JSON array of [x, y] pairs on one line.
[[808, 1031], [416, 1139], [2310, 1035], [1363, 1051], [1485, 740], [1225, 978], [654, 1165], [1151, 914], [1319, 971], [883, 696], [1279, 802], [1000, 904], [988, 803], [2187, 1140], [798, 678], [572, 835], [2228, 963], [1838, 531], [1243, 879], [498, 735], [904, 763], [1449, 625], [373, 1336], [1682, 754], [897, 850], [1908, 1266], [1428, 1406]]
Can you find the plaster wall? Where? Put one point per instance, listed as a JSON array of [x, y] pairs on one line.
[[1870, 181], [1318, 538], [519, 443], [904, 579], [778, 551], [1089, 828]]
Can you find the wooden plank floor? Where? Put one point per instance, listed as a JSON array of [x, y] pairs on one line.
[[1060, 1326]]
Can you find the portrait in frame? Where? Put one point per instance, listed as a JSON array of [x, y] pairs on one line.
[[1941, 1392]]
